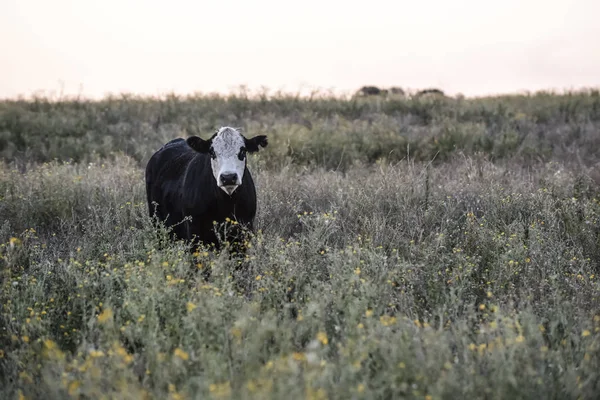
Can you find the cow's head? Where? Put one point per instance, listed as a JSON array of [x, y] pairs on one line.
[[227, 149]]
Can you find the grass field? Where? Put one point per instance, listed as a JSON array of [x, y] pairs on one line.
[[427, 248]]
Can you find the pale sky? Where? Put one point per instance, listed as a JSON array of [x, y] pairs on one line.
[[152, 47]]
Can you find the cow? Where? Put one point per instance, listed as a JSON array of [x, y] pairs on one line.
[[195, 185]]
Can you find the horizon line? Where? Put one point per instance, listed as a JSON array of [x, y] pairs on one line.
[[265, 91]]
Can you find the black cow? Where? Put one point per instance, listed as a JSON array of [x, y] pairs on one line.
[[205, 180]]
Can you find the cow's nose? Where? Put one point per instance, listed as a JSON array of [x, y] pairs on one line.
[[228, 179]]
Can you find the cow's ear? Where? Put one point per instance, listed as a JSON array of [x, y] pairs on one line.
[[199, 144], [253, 143]]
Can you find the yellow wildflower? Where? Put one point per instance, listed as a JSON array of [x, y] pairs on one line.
[[50, 345], [73, 387], [322, 337], [220, 389], [190, 306], [299, 356], [520, 339], [105, 315], [96, 353], [236, 332], [181, 354], [127, 358], [386, 320]]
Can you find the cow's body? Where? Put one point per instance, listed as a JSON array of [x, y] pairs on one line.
[[180, 184]]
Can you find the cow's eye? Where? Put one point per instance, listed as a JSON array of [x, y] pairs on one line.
[[211, 151], [242, 154]]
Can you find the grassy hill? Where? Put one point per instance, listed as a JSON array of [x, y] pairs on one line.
[[426, 248]]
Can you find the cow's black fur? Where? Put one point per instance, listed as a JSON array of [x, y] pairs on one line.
[[180, 183]]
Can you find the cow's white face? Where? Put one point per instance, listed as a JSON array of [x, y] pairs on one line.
[[228, 159], [227, 149]]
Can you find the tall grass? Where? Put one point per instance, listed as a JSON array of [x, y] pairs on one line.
[[468, 277], [332, 131]]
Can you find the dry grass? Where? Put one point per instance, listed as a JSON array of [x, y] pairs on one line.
[[464, 278]]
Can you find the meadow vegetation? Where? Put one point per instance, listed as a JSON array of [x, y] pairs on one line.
[[423, 248]]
